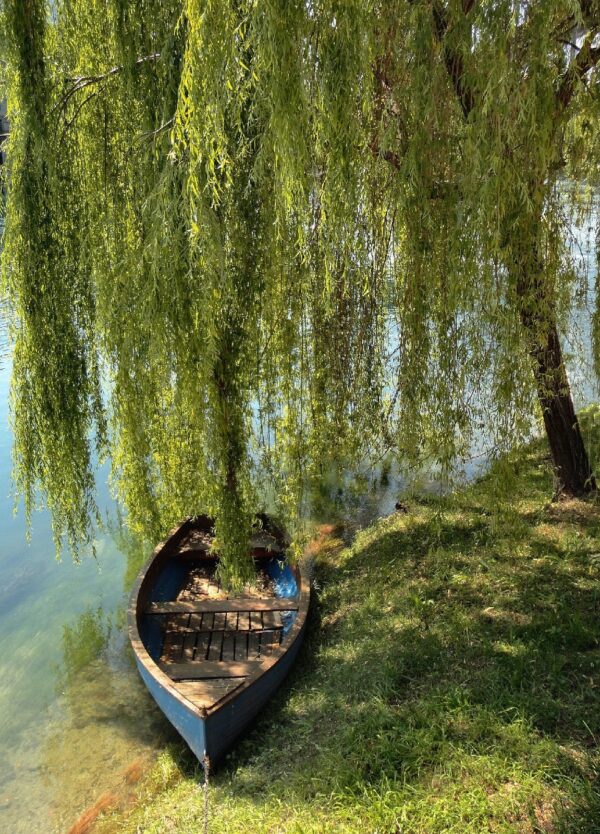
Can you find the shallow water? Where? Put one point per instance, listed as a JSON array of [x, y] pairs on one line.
[[74, 716]]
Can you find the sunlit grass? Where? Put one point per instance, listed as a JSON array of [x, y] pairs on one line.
[[449, 682]]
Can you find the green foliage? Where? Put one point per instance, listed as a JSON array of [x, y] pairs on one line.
[[247, 240]]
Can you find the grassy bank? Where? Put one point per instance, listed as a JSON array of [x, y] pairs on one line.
[[449, 683]]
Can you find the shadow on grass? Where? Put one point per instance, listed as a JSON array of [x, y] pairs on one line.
[[449, 679]]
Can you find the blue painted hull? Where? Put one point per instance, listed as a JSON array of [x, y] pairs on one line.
[[210, 731], [214, 735], [187, 722]]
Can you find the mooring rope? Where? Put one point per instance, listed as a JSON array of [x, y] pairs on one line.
[[206, 766]]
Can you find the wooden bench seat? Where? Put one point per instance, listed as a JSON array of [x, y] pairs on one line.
[[205, 693], [206, 669], [222, 605]]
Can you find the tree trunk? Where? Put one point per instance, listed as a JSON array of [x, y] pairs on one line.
[[571, 464]]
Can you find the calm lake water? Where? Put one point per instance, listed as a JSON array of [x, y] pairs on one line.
[[74, 716], [75, 721]]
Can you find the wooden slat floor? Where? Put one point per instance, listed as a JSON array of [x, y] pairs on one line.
[[208, 653], [221, 637]]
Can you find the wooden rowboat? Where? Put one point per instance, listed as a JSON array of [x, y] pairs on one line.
[[210, 660]]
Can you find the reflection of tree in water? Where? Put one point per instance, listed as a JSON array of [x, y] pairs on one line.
[[83, 642], [354, 498], [134, 548], [85, 678], [105, 726]]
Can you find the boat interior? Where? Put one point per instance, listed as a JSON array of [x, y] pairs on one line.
[[209, 643]]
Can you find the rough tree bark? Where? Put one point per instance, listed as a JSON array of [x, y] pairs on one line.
[[537, 312], [569, 457]]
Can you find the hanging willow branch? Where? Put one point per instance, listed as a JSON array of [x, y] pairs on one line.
[[348, 237], [82, 82]]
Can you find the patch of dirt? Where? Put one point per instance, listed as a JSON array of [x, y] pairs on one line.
[[573, 510]]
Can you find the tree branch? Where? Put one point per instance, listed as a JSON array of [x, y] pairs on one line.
[[455, 68], [74, 117], [455, 65], [585, 60], [151, 134], [80, 82], [91, 79], [381, 74]]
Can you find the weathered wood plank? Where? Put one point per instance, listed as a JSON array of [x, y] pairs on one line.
[[168, 651], [216, 642], [206, 693], [253, 646], [197, 550], [208, 669], [220, 621], [231, 620], [223, 605], [180, 621], [189, 645], [228, 651], [241, 645], [269, 641], [196, 622], [272, 619], [263, 541], [201, 549], [226, 631], [202, 645]]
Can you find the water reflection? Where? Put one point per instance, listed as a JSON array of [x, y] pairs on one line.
[[100, 729], [75, 720], [134, 548], [83, 642], [105, 724]]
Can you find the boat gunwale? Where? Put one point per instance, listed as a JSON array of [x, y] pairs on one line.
[[143, 656]]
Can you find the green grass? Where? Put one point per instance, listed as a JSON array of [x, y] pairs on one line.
[[448, 683]]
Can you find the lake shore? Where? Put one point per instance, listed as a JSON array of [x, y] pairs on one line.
[[449, 681]]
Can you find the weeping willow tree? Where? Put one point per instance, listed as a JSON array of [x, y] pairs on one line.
[[247, 240]]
